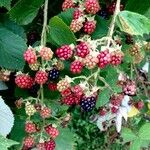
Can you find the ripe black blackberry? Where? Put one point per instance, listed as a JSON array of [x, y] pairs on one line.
[[88, 103], [33, 90], [53, 74], [104, 14]]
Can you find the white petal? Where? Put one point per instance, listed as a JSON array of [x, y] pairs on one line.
[[146, 67], [124, 112], [125, 101], [6, 118], [118, 122]]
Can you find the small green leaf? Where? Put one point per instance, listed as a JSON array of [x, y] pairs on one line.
[[12, 47], [6, 143], [102, 27], [133, 23], [60, 33], [67, 16], [127, 135], [103, 98], [65, 140], [136, 144], [5, 3], [144, 132], [25, 11]]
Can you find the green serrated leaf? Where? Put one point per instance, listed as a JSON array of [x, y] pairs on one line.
[[141, 7], [136, 144], [144, 132], [5, 3], [12, 47], [133, 23], [65, 140], [25, 11], [6, 143], [103, 98], [127, 135], [102, 26], [67, 16], [60, 33]]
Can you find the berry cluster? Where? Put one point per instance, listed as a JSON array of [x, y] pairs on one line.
[[83, 16]]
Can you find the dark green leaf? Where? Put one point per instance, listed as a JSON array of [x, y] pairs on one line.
[[136, 144], [65, 140], [67, 16], [12, 47], [133, 23], [5, 3], [6, 143], [127, 135], [141, 7], [60, 33], [102, 27], [144, 132], [103, 98], [25, 11]]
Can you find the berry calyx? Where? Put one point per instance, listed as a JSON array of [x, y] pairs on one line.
[[30, 127], [82, 49], [28, 142], [30, 56], [53, 74], [76, 25], [24, 81], [64, 52], [52, 131], [50, 145], [46, 53], [45, 112], [104, 58], [76, 67], [89, 27], [88, 103], [92, 6], [41, 77]]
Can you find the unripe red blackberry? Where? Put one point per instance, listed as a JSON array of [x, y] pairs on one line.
[[30, 56], [116, 57], [50, 145], [130, 88], [77, 14], [41, 77], [139, 105], [76, 25], [30, 127], [62, 85], [52, 86], [89, 26], [82, 49], [104, 58], [67, 4], [28, 142], [92, 6], [46, 53], [76, 67], [66, 92], [24, 81], [64, 52], [52, 131], [45, 112], [77, 91], [70, 99], [90, 61]]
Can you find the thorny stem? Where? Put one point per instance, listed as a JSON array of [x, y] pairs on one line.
[[112, 25], [43, 41]]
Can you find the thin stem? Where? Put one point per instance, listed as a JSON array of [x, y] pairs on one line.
[[112, 25], [145, 90]]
